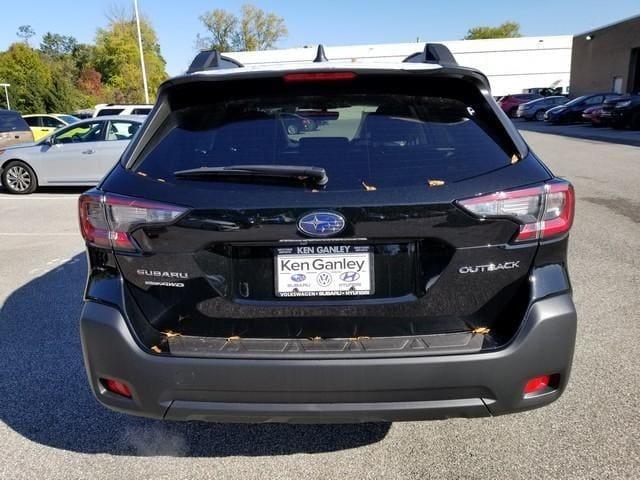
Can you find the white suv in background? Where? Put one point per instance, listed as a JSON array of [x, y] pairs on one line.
[[104, 109]]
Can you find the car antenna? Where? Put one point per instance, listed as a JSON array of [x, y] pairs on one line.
[[320, 55]]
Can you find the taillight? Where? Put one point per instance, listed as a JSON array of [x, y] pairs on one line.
[[318, 76], [107, 220], [543, 212]]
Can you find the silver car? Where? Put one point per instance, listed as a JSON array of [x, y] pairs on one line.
[[79, 154]]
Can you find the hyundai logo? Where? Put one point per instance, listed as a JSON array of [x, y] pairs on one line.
[[321, 224], [349, 276]]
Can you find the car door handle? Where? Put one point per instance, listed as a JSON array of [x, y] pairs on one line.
[[89, 151]]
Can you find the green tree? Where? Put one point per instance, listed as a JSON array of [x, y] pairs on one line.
[[54, 44], [222, 26], [255, 29], [508, 29], [117, 59], [64, 96], [30, 78], [25, 32]]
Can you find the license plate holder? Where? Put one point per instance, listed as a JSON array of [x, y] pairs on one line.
[[324, 271]]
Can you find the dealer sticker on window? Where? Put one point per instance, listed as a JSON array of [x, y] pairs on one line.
[[324, 271]]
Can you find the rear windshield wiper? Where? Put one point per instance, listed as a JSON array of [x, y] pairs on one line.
[[299, 172]]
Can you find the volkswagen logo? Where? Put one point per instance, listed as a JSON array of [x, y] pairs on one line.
[[321, 224], [324, 279]]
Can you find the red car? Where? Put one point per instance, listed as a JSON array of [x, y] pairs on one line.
[[593, 115], [509, 103]]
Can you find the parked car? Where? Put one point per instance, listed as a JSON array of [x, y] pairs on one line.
[[593, 115], [535, 109], [78, 154], [321, 117], [509, 103], [571, 111], [42, 125], [623, 112], [106, 109], [295, 124], [13, 129], [407, 263]]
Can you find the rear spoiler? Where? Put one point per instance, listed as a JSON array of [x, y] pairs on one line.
[[436, 53]]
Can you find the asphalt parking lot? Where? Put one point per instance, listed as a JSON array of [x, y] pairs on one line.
[[51, 427]]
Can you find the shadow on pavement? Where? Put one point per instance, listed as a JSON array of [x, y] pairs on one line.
[[583, 131], [51, 190], [46, 397]]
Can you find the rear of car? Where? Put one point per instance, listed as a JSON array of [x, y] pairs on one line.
[[43, 125], [404, 261], [535, 109], [572, 111], [13, 129], [623, 112], [509, 103], [593, 115]]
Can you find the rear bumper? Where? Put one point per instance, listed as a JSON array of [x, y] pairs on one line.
[[330, 390]]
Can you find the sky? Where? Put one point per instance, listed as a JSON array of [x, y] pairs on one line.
[[331, 22]]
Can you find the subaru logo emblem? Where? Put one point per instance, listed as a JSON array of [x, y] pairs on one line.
[[298, 277], [321, 224]]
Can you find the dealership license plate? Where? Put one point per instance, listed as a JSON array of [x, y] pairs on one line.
[[324, 271]]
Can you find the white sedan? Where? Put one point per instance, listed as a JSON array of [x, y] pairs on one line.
[[79, 154]]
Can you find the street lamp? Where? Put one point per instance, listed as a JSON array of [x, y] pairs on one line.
[[144, 70], [6, 93]]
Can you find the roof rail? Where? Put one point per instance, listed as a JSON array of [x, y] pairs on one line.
[[320, 55], [211, 60], [432, 53]]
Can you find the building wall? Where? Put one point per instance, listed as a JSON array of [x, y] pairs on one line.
[[596, 62], [512, 65]]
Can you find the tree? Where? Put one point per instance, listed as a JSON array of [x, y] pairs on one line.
[[25, 32], [508, 29], [222, 26], [30, 78], [117, 59], [254, 30], [54, 44], [90, 82]]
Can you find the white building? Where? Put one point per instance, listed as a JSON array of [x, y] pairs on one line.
[[513, 65]]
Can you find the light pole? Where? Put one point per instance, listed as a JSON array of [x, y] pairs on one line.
[[144, 69], [6, 93]]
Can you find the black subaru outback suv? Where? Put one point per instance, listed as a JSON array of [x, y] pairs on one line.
[[405, 260]]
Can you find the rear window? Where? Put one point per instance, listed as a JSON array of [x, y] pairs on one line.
[[140, 111], [12, 122], [109, 111], [384, 140]]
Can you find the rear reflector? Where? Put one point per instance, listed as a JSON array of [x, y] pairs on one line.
[[107, 220], [318, 77], [114, 386], [537, 384], [544, 211]]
